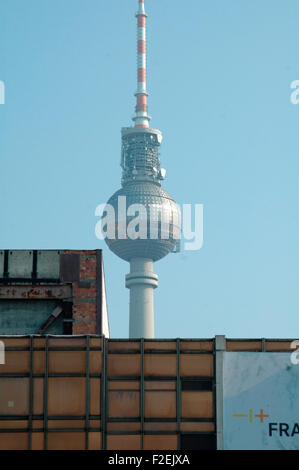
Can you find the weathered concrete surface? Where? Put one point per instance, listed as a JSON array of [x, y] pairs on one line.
[[23, 318]]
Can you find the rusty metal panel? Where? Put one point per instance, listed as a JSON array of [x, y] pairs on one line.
[[123, 404], [126, 426], [67, 362], [38, 424], [124, 346], [95, 342], [38, 393], [243, 345], [160, 404], [278, 345], [123, 365], [8, 424], [14, 441], [95, 393], [39, 342], [15, 362], [66, 396], [14, 396], [123, 442], [70, 267], [95, 362], [160, 426], [160, 365], [70, 441], [23, 292], [124, 385], [15, 341], [159, 385], [197, 404], [197, 365], [66, 441], [39, 362], [94, 441], [73, 361], [94, 423], [160, 345], [62, 342], [37, 441], [186, 345], [66, 423], [197, 426], [161, 442]]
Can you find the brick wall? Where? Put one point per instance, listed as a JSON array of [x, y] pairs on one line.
[[86, 293]]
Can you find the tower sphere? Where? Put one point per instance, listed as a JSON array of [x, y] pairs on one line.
[[161, 211]]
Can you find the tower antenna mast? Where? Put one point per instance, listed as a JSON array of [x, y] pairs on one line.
[[141, 117]]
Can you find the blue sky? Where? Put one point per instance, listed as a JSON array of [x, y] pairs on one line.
[[219, 76]]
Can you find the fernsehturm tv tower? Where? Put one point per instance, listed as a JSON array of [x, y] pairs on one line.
[[154, 232]]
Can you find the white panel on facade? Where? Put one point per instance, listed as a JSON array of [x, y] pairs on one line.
[[260, 401], [48, 263], [105, 319], [20, 263]]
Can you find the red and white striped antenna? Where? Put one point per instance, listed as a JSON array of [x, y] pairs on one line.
[[141, 117]]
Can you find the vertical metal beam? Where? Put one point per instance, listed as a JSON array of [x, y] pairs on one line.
[[34, 266], [46, 392], [142, 392], [30, 395], [5, 267], [87, 378], [178, 391], [220, 347]]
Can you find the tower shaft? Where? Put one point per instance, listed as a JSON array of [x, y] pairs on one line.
[[141, 281]]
